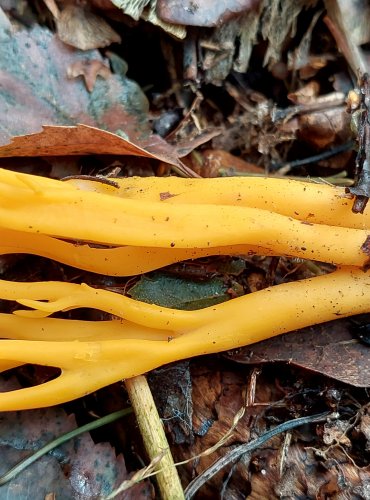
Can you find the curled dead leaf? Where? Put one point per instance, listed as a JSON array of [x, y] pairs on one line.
[[85, 140], [81, 28]]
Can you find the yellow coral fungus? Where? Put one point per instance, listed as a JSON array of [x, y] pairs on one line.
[[144, 228], [35, 208], [308, 201], [88, 362], [116, 261]]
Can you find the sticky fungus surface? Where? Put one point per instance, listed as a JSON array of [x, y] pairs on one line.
[[307, 201], [146, 224]]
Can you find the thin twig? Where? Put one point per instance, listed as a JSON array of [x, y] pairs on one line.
[[237, 452], [315, 158]]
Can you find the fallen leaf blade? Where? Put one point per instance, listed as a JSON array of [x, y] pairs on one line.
[[318, 348], [82, 139]]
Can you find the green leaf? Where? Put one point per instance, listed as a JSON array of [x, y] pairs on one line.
[[179, 293]]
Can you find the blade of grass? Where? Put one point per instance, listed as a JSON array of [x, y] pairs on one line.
[[23, 464]]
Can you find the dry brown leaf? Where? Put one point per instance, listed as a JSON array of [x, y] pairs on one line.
[[320, 348], [28, 102], [300, 475], [83, 140], [216, 163], [186, 145], [215, 395], [81, 28], [325, 128]]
